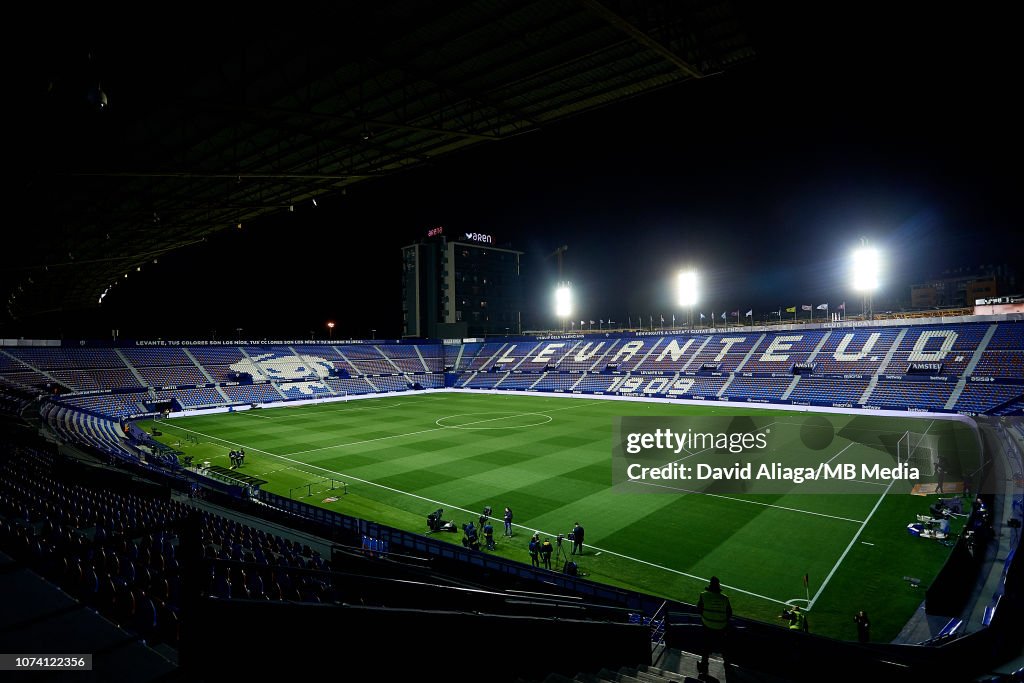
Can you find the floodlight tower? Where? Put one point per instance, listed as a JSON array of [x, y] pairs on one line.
[[865, 274], [686, 292], [563, 294], [563, 302]]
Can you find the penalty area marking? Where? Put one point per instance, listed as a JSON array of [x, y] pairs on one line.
[[440, 422]]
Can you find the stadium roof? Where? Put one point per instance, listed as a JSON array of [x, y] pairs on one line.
[[142, 140]]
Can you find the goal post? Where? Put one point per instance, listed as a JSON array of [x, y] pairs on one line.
[[920, 451]]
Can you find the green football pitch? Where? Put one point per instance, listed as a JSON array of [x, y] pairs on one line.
[[550, 460]]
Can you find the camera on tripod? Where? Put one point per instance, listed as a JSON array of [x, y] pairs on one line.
[[434, 521]]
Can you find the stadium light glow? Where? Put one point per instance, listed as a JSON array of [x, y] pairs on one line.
[[563, 301], [865, 269], [686, 288]]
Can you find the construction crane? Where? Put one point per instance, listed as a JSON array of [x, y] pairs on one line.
[[558, 253]]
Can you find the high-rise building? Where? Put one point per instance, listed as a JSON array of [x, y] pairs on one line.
[[460, 285], [963, 286]]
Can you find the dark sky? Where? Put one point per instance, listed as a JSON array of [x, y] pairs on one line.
[[901, 127]]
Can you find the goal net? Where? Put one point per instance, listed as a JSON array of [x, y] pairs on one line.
[[920, 451]]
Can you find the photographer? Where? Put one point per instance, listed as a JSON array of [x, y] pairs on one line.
[[535, 551], [545, 553], [576, 536], [796, 618]]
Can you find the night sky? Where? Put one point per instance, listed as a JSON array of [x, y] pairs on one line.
[[900, 128]]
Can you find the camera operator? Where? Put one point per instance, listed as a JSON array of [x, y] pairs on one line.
[[576, 536], [488, 535], [469, 540]]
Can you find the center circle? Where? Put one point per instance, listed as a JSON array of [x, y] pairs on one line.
[[493, 420]]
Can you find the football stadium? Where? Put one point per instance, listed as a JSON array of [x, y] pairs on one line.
[[465, 484]]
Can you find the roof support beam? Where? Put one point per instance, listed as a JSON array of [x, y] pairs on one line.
[[640, 37]]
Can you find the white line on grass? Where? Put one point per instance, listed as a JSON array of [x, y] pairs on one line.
[[851, 544], [742, 500], [422, 431], [455, 507], [323, 408], [822, 465], [842, 557]]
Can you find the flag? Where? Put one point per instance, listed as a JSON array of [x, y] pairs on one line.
[[736, 314], [591, 322], [806, 581], [582, 323], [842, 306], [662, 317], [805, 307], [749, 314], [822, 307], [701, 316], [673, 318], [791, 309], [723, 315], [630, 318], [601, 322]]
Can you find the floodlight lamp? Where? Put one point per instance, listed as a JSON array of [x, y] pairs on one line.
[[686, 288], [865, 269], [563, 301]]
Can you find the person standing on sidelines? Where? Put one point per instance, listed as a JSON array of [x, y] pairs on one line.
[[577, 539], [715, 612], [508, 522], [863, 626]]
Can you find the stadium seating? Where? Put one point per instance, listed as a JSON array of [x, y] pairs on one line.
[[203, 397], [755, 389], [554, 381], [978, 397], [924, 395], [821, 391], [857, 351], [836, 366], [518, 381]]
